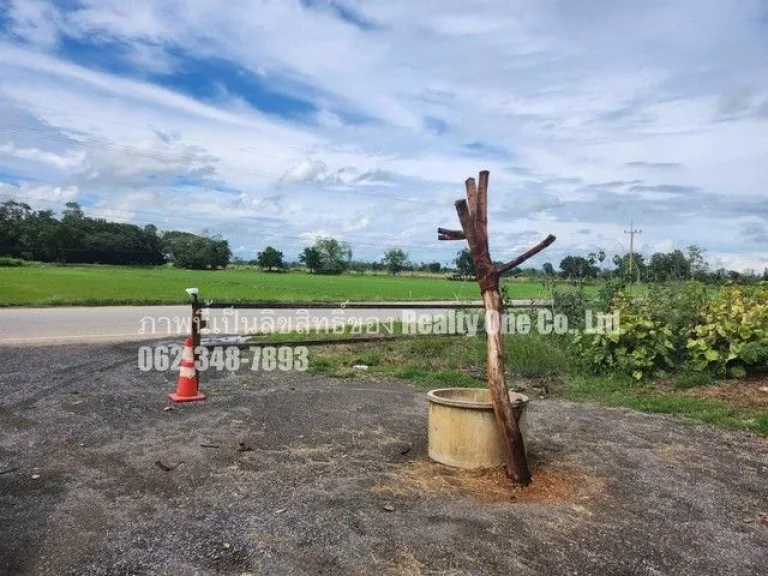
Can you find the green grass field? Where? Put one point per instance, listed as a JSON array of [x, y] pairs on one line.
[[111, 285], [452, 361]]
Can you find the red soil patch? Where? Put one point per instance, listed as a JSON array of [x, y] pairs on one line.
[[746, 393], [490, 485]]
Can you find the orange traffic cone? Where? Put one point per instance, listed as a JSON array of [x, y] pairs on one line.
[[186, 389]]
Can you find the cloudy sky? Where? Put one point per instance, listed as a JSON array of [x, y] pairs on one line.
[[274, 121]]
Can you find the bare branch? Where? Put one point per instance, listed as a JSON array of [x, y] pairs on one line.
[[471, 195], [526, 255], [467, 223], [480, 213], [446, 234]]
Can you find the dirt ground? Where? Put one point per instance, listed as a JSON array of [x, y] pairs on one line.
[[287, 473], [747, 393]]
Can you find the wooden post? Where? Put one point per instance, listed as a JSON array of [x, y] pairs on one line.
[[195, 332], [473, 216]]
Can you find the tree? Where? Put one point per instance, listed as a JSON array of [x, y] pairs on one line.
[[719, 276], [395, 260], [70, 235], [77, 238], [327, 256], [14, 217], [310, 257], [670, 266], [697, 261], [197, 252], [465, 264], [42, 237], [358, 266], [622, 266], [270, 258], [73, 212], [578, 268], [434, 267], [595, 257]]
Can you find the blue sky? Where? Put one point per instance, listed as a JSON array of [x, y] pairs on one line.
[[275, 122]]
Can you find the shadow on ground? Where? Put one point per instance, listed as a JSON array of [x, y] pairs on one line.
[[287, 473]]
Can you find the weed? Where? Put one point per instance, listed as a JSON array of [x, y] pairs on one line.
[[686, 380]]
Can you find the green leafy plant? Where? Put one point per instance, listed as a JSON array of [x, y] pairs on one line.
[[572, 303], [642, 346], [608, 291], [732, 338], [681, 307]]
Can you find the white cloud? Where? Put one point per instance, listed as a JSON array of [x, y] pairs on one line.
[[56, 160], [36, 21], [40, 196], [532, 203], [306, 171]]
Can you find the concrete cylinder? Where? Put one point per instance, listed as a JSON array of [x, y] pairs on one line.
[[462, 427]]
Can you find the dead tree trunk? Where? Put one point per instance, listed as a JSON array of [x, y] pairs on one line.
[[473, 215]]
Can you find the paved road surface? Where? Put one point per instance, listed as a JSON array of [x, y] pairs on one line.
[[124, 323]]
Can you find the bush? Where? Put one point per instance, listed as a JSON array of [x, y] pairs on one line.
[[682, 326], [608, 292], [572, 303], [680, 307], [732, 338], [6, 262], [643, 346]]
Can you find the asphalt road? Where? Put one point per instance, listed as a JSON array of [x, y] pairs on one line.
[[136, 323], [96, 324]]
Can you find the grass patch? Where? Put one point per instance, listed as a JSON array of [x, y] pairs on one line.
[[687, 380], [446, 360], [618, 392], [538, 356], [459, 361], [447, 378]]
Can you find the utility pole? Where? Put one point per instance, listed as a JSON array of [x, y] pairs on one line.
[[632, 231]]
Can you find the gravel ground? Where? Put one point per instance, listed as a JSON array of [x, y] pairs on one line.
[[81, 430]]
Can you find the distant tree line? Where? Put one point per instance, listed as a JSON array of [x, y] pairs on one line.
[[75, 238], [331, 256], [674, 266]]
